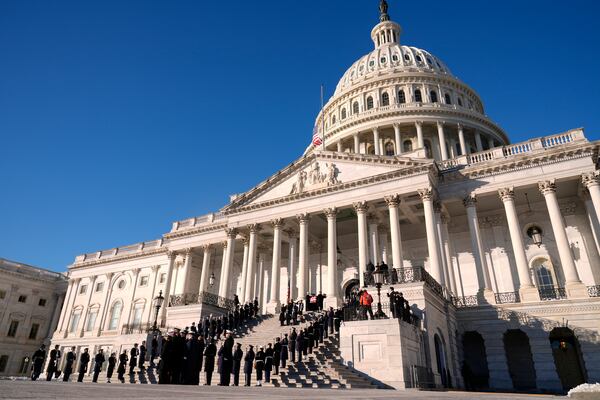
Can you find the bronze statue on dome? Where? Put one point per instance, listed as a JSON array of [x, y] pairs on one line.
[[383, 9]]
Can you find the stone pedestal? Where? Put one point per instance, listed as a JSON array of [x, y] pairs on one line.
[[576, 291], [273, 307], [529, 295]]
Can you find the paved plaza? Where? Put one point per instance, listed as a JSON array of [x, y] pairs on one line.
[[60, 390]]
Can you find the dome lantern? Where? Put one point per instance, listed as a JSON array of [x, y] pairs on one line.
[[386, 32]]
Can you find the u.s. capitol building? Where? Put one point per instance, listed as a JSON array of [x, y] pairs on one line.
[[502, 237]]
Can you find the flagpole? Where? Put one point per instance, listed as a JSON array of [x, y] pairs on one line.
[[322, 118]]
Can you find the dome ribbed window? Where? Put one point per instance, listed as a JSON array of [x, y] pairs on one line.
[[418, 97], [343, 113], [369, 103], [447, 98], [401, 97], [433, 95], [355, 107], [385, 99]]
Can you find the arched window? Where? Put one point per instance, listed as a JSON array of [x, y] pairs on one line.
[[401, 97], [457, 147], [370, 149], [115, 316], [407, 146], [385, 99], [459, 101], [369, 103], [428, 152], [433, 95], [418, 97], [355, 107], [389, 149], [447, 98], [343, 113]]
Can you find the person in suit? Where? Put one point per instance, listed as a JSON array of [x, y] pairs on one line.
[[71, 356], [112, 361], [133, 355], [209, 360], [53, 363], [293, 337], [284, 350], [276, 355], [98, 361], [238, 354], [259, 365], [38, 362], [143, 355], [268, 362], [123, 358], [248, 362], [227, 361], [83, 364]]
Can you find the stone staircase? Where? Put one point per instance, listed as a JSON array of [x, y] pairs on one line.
[[321, 369]]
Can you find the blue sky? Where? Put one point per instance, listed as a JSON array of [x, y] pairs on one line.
[[119, 117]]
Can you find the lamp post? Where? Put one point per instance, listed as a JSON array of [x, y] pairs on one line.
[[158, 302], [378, 278], [535, 233]]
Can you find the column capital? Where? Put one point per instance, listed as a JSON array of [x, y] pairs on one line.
[[277, 223], [589, 179], [392, 200], [303, 218], [291, 233], [426, 194], [187, 251], [231, 232], [440, 124], [254, 228], [396, 125], [507, 193], [207, 247], [376, 129], [547, 187], [330, 212], [171, 255], [224, 244], [245, 240], [155, 267], [460, 126], [109, 276], [135, 271], [419, 123], [470, 200], [361, 206]]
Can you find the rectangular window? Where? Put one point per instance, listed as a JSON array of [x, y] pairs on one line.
[[2, 294], [91, 321], [22, 298], [137, 314], [34, 331], [144, 281], [74, 322], [12, 329], [83, 289], [3, 362], [99, 286], [163, 278], [42, 303]]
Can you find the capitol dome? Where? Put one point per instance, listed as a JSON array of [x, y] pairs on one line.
[[400, 100]]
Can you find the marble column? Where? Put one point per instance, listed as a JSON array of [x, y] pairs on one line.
[[258, 291], [303, 220], [419, 128], [332, 285], [398, 139], [446, 246], [131, 304], [374, 239], [393, 202], [478, 144], [437, 213], [246, 243], [275, 299], [339, 146], [461, 139], [148, 312], [167, 294], [185, 270], [104, 305], [592, 217], [225, 273], [292, 260], [591, 181], [65, 307], [376, 141], [87, 304], [442, 140], [69, 314], [356, 144], [526, 290], [435, 267], [483, 278], [205, 274], [573, 285], [250, 276], [383, 244], [361, 216]]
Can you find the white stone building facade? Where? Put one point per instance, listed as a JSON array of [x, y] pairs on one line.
[[30, 303], [414, 173]]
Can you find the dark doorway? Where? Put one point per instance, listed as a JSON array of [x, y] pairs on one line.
[[520, 361], [475, 367], [440, 358], [567, 357], [351, 289]]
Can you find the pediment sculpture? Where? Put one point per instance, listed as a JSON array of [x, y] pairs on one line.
[[314, 178]]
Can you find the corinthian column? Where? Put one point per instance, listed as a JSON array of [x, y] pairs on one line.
[[526, 290], [442, 140], [224, 286], [292, 262], [461, 139], [163, 310], [275, 300], [246, 243], [104, 304], [393, 202], [483, 277], [591, 181], [303, 220], [397, 139], [205, 274], [250, 276], [361, 216], [332, 286], [573, 285], [435, 267]]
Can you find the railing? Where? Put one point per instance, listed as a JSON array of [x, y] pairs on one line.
[[507, 297], [356, 312], [201, 298], [594, 291], [552, 293], [129, 329], [465, 301], [407, 275]]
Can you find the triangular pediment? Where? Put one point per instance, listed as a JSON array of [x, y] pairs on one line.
[[323, 170]]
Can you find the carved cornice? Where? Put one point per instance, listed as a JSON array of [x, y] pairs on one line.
[[162, 250], [195, 231], [547, 187], [361, 206], [507, 193]]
